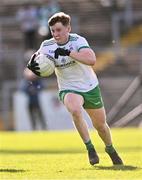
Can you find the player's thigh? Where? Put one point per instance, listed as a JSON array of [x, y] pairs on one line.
[[73, 101], [98, 116]]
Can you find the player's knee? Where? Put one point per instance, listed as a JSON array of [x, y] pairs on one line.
[[75, 111], [101, 127]]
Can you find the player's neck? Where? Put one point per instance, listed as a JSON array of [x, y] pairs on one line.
[[65, 41]]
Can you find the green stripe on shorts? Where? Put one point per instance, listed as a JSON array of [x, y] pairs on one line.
[[92, 98]]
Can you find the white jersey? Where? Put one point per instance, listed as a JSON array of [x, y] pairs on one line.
[[71, 74]]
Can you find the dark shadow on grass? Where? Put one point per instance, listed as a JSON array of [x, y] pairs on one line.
[[12, 170], [40, 151], [117, 168]]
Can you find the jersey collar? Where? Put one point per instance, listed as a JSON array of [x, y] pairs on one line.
[[64, 43]]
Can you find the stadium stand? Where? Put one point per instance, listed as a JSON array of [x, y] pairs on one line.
[[132, 37]]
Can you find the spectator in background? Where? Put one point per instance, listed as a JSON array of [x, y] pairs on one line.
[[31, 85], [47, 9], [28, 19]]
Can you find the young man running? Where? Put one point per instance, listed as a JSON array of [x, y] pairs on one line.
[[77, 82]]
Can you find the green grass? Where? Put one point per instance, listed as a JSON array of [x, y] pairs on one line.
[[62, 155]]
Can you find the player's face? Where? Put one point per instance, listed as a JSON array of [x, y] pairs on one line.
[[60, 32]]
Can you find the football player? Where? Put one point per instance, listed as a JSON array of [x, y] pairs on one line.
[[78, 83]]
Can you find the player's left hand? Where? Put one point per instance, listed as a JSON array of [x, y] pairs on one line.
[[61, 52], [33, 66]]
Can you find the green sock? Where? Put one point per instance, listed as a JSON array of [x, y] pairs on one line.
[[109, 149], [89, 145]]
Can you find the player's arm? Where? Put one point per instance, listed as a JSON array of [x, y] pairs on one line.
[[85, 56], [28, 74]]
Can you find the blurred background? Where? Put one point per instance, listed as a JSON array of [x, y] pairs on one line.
[[113, 29]]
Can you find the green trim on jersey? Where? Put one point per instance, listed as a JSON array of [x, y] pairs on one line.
[[92, 98], [83, 47], [48, 42], [73, 38], [64, 43]]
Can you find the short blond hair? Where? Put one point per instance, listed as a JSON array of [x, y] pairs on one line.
[[65, 19]]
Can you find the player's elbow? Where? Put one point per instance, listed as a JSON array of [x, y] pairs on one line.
[[92, 61]]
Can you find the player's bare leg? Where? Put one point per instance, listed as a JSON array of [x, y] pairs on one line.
[[74, 103], [98, 117]]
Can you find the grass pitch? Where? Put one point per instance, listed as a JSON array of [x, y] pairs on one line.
[[62, 155]]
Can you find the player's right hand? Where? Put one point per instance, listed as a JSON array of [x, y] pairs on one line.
[[33, 66], [61, 52]]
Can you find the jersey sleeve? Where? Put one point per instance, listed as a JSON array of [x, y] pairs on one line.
[[46, 46], [82, 43]]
